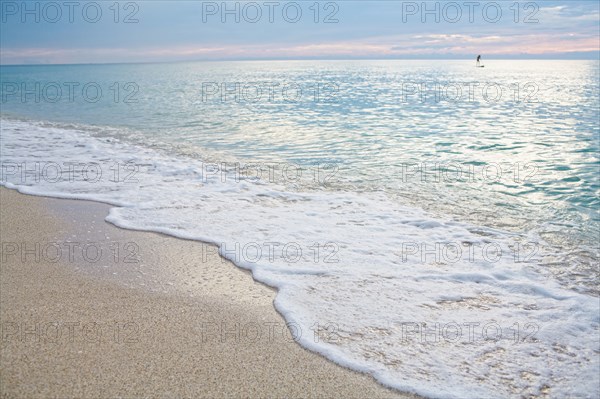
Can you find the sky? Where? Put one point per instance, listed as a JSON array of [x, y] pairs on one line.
[[65, 32]]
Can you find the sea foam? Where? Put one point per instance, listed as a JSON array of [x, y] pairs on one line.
[[359, 275]]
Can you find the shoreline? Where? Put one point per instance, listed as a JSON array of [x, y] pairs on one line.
[[89, 309]]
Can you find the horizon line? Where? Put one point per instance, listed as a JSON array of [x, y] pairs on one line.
[[296, 59]]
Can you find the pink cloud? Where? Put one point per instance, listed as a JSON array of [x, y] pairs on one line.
[[406, 45]]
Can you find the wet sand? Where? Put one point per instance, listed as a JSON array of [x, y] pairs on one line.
[[91, 310]]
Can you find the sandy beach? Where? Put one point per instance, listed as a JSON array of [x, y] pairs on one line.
[[91, 310], [353, 199]]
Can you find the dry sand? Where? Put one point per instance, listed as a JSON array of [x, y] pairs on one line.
[[142, 318]]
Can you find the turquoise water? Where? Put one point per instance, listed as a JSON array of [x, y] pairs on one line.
[[528, 164], [385, 157]]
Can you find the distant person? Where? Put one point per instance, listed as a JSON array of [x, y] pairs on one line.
[[478, 60]]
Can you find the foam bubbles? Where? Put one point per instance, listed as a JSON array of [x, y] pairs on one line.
[[424, 304]]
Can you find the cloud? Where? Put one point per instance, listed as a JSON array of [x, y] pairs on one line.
[[562, 29], [379, 47]]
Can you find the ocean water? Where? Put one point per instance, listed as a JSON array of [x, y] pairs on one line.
[[433, 224]]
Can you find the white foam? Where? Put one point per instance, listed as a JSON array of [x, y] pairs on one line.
[[370, 294]]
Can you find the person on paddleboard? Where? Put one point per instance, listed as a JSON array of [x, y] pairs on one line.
[[478, 60]]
